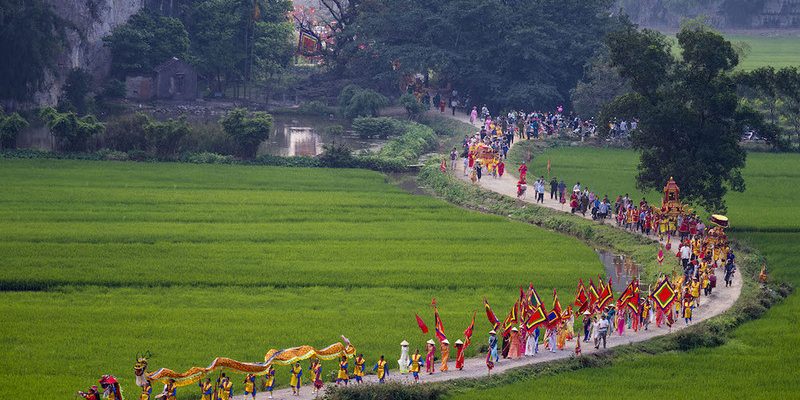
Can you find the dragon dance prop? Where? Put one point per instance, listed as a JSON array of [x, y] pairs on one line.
[[273, 357]]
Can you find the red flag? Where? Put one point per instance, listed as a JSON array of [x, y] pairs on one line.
[[511, 319], [493, 321], [664, 294], [421, 324], [554, 316], [593, 294], [606, 296], [537, 312], [468, 331], [581, 298], [439, 327]]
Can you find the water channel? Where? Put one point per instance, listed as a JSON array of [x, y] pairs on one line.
[[620, 268]]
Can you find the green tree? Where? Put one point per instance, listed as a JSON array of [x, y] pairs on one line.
[[505, 53], [145, 41], [690, 119], [600, 85], [76, 90], [31, 38], [72, 131], [248, 130], [10, 126], [163, 138]]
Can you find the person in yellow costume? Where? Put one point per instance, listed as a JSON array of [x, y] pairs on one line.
[[695, 291], [445, 355], [269, 382], [295, 381], [147, 390], [225, 388], [206, 389], [358, 369], [170, 390], [250, 385], [415, 365], [342, 376], [382, 369]]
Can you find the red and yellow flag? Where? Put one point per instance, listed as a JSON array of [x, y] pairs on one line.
[[581, 298], [554, 316], [493, 321], [438, 326]]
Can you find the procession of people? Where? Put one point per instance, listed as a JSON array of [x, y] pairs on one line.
[[531, 326]]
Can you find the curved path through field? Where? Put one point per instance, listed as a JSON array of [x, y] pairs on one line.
[[718, 302]]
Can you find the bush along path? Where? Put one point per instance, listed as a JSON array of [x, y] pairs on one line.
[[498, 196]]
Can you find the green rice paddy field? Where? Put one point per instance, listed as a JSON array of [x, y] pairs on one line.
[[776, 50], [101, 260], [762, 358]]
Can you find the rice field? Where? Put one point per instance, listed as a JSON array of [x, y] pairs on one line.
[[101, 260], [761, 360]]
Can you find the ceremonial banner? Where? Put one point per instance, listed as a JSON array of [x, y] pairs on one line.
[[421, 324], [537, 314], [438, 325], [606, 295], [554, 316], [593, 294], [309, 44], [664, 294], [511, 319], [468, 331], [581, 298], [493, 321]]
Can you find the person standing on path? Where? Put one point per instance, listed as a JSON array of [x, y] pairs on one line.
[[415, 365], [445, 355], [523, 171], [429, 366], [473, 115], [540, 191], [342, 377], [460, 354], [730, 268], [381, 369], [453, 158], [602, 332], [553, 188], [493, 345], [295, 381], [478, 170]]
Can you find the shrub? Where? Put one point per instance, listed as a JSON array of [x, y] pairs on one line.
[[334, 130], [10, 126], [315, 107], [383, 127], [112, 155], [126, 133], [357, 102], [337, 156], [413, 107], [163, 137], [248, 131], [72, 131], [207, 158], [114, 89]]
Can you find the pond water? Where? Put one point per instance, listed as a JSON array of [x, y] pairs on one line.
[[620, 268], [305, 136], [290, 136]]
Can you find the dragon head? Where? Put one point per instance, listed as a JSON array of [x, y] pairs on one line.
[[140, 368]]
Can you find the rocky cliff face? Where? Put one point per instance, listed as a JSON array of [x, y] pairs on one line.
[[724, 14], [93, 19]]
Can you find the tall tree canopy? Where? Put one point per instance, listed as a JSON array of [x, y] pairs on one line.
[[506, 53], [31, 37], [690, 118], [146, 41]]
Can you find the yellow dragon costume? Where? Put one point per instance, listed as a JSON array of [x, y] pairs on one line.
[[273, 357]]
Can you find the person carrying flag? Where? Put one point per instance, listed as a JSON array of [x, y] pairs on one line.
[[493, 345], [445, 350], [342, 377], [460, 354], [358, 368]]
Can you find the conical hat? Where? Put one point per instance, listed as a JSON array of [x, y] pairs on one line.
[[459, 341], [430, 341], [446, 341], [403, 343]]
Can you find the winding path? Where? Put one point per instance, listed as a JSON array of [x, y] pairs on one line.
[[718, 302]]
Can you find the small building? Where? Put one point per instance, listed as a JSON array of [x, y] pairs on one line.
[[171, 80], [139, 88], [175, 80]]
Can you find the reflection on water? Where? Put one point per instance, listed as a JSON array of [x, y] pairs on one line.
[[620, 268], [305, 136]]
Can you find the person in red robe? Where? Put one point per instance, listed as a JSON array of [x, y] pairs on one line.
[[471, 158], [460, 354], [523, 170], [501, 168]]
